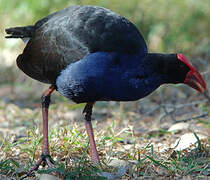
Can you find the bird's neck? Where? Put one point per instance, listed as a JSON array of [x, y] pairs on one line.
[[163, 65]]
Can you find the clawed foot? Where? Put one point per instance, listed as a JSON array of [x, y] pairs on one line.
[[45, 159]]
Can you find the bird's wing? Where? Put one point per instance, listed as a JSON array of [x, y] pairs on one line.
[[70, 34]]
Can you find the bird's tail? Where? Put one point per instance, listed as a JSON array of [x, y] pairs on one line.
[[20, 32]]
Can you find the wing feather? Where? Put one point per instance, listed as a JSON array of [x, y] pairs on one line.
[[70, 34]]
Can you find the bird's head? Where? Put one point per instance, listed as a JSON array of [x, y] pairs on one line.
[[192, 78], [176, 68]]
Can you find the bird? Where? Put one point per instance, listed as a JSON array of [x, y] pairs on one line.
[[89, 54]]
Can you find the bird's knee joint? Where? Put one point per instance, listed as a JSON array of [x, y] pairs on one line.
[[87, 114], [45, 101]]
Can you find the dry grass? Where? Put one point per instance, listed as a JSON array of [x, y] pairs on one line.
[[132, 138]]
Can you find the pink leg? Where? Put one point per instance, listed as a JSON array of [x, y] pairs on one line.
[[45, 157], [87, 112]]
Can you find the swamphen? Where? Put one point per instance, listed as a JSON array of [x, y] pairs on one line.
[[90, 54]]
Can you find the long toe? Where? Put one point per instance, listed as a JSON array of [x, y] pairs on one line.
[[45, 160], [50, 162]]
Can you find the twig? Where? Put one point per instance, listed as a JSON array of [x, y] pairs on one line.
[[164, 108], [191, 118], [175, 107], [150, 112], [184, 105]]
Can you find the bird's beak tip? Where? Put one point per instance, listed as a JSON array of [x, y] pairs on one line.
[[196, 81]]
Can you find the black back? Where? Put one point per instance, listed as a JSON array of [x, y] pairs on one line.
[[68, 35]]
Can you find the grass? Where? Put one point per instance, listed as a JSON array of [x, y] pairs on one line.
[[135, 156], [69, 143], [188, 162], [69, 148], [29, 146]]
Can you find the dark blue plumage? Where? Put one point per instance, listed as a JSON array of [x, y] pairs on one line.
[[108, 76], [90, 53]]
